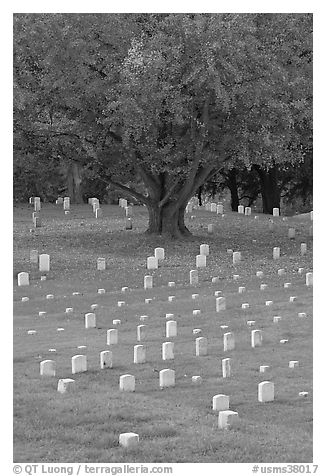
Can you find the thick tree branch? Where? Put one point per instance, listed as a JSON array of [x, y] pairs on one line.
[[128, 190]]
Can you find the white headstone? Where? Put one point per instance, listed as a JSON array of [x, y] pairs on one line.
[[210, 228], [33, 256], [152, 262], [213, 207], [221, 402], [167, 378], [276, 212], [106, 359], [259, 274], [245, 305], [263, 287], [196, 312], [66, 203], [90, 320], [47, 368], [204, 250], [128, 440], [78, 364], [227, 419], [226, 368], [44, 262], [66, 385], [247, 211], [23, 279], [127, 383], [309, 279], [228, 341], [193, 276], [167, 351], [220, 304], [159, 254], [241, 289], [276, 252], [112, 336], [236, 257], [100, 264], [201, 346], [276, 319], [219, 209], [98, 213], [141, 332], [256, 338], [303, 249], [148, 282], [240, 209], [116, 322], [263, 368], [293, 364], [171, 329], [171, 284], [171, 298], [201, 261], [139, 354], [196, 379], [37, 204], [281, 272], [266, 391]]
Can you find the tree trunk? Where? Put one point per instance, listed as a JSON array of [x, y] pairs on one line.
[[74, 181], [199, 196], [270, 191], [168, 220], [233, 187]]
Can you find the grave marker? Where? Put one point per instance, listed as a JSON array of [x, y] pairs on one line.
[[141, 332], [139, 354], [171, 329], [78, 364], [276, 252], [240, 209], [226, 368], [220, 304], [159, 254], [236, 257], [276, 212], [193, 277], [106, 359], [221, 402], [167, 351], [33, 256], [90, 320], [148, 282], [100, 264], [167, 378], [309, 279], [152, 262], [66, 385], [23, 279], [47, 368], [201, 346], [256, 338], [204, 250], [228, 341], [291, 233], [201, 261], [303, 249], [266, 392], [44, 262], [112, 336], [128, 440], [247, 211], [227, 419], [127, 383]]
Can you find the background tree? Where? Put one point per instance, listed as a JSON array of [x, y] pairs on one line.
[[167, 98]]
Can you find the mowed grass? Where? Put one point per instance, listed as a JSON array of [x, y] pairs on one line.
[[175, 424]]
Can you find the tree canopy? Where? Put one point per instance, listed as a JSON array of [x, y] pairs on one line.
[[168, 98]]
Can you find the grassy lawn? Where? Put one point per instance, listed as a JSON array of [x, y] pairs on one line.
[[175, 424]]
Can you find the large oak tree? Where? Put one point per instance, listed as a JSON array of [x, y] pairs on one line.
[[169, 98]]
